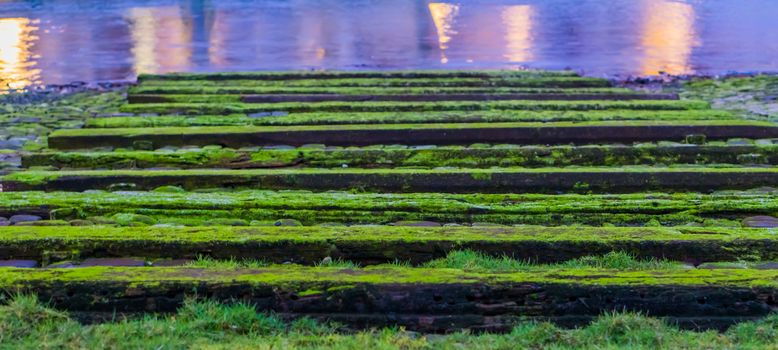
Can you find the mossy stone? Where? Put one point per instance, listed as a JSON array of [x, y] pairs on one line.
[[44, 223], [169, 189], [79, 222], [129, 219]]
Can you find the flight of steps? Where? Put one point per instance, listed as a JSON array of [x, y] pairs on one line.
[[392, 170]]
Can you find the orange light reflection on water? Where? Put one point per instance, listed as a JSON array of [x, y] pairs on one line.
[[16, 59], [668, 37], [443, 16], [518, 32], [161, 39]]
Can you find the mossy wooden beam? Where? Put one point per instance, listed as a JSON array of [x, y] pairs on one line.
[[432, 97], [384, 244], [541, 180], [192, 208], [419, 299], [398, 74], [405, 117], [476, 156], [414, 134], [526, 82], [299, 107], [180, 89]]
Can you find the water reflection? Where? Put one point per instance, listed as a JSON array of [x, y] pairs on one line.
[[668, 37], [16, 58], [63, 41], [443, 16], [161, 40], [518, 32]]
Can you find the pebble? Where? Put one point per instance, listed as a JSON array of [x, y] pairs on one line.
[[4, 221], [760, 221], [23, 218], [288, 222]]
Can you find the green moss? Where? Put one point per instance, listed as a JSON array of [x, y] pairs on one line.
[[136, 132], [180, 89], [752, 97], [221, 108], [301, 278], [407, 117], [314, 245], [313, 208]]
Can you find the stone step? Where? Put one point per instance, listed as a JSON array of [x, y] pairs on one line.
[[412, 134], [369, 245], [416, 298], [517, 180]]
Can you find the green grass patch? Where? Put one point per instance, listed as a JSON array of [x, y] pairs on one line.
[[30, 323], [470, 260]]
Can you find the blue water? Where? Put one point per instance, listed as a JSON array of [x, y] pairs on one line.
[[64, 41]]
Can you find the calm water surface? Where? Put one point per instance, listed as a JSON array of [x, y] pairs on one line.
[[63, 41]]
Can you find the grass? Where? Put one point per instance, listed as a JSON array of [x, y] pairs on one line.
[[27, 323], [474, 261], [232, 263], [470, 260]]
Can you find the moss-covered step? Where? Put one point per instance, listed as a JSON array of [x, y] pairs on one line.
[[366, 74], [410, 134], [537, 180], [379, 83], [372, 106], [173, 206], [384, 244], [179, 89], [405, 117], [421, 299], [475, 156], [306, 98]]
